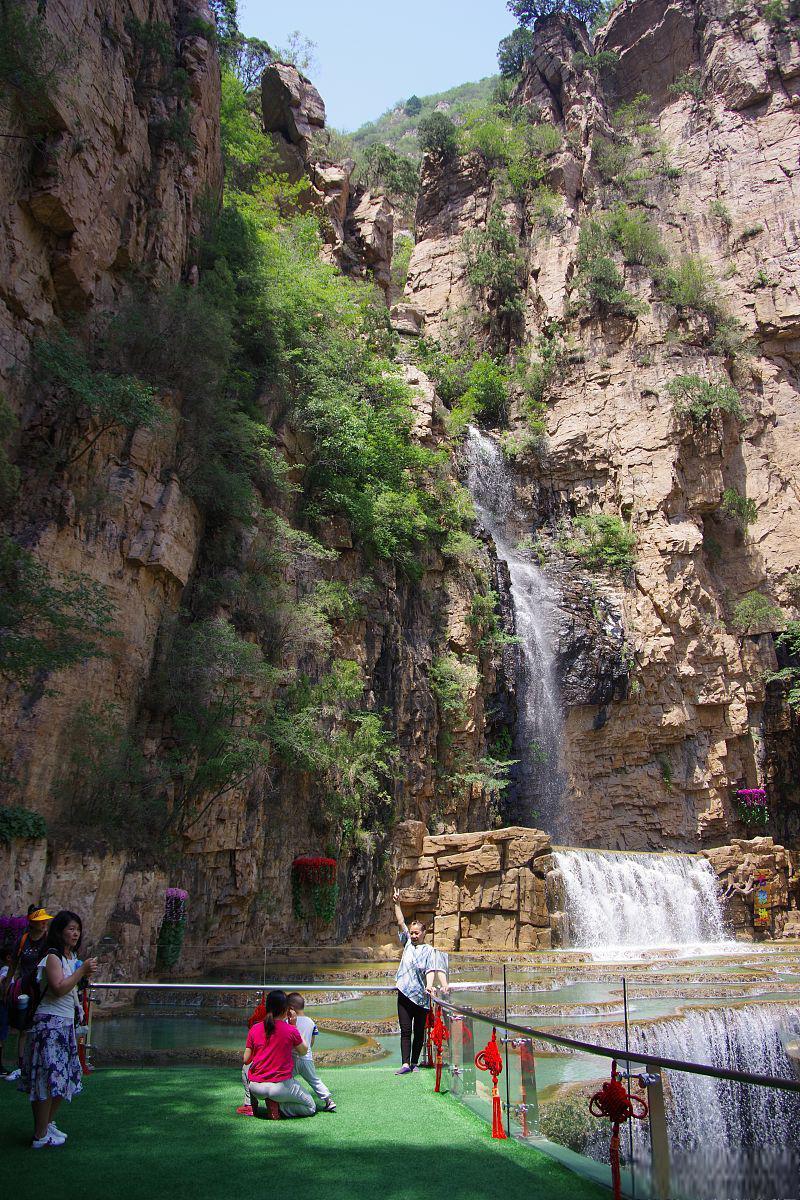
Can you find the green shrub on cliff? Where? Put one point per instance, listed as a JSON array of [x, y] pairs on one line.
[[690, 284], [738, 507], [513, 51], [47, 623], [494, 269], [31, 64], [90, 402], [513, 146], [528, 12], [756, 613], [789, 642], [602, 543], [454, 680], [438, 135], [600, 283], [703, 401], [637, 238], [18, 822]]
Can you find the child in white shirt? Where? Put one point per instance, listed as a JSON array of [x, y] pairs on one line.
[[304, 1066]]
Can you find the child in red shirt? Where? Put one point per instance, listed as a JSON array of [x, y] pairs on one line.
[[269, 1066]]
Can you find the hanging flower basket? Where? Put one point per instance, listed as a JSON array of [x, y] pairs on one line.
[[173, 927], [751, 805], [314, 888]]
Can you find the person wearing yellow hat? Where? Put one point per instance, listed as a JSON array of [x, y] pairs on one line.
[[28, 953]]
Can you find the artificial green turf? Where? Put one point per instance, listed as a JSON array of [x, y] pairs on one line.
[[173, 1132]]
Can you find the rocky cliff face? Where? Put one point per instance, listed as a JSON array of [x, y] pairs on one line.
[[665, 701], [103, 204], [656, 768]]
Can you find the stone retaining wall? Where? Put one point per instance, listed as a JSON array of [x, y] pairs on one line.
[[481, 891]]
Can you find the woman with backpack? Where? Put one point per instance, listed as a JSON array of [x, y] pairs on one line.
[[21, 979], [51, 1071], [269, 1063]]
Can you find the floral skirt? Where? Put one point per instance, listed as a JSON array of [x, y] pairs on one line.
[[51, 1066]]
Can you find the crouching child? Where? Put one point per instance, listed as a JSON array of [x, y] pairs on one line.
[[304, 1063]]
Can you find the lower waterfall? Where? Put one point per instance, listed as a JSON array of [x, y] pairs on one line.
[[726, 1139], [615, 900]]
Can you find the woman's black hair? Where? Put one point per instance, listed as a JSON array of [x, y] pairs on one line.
[[55, 934], [276, 1005]]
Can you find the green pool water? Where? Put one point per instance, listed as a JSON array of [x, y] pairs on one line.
[[132, 1032]]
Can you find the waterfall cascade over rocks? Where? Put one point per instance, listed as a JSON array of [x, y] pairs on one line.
[[539, 736], [616, 901], [727, 1139]]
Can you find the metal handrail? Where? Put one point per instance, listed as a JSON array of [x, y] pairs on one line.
[[242, 987], [673, 1064]]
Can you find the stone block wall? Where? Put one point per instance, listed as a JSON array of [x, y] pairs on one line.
[[480, 891]]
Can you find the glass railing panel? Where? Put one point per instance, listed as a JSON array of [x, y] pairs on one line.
[[521, 1078], [730, 1139], [455, 1052], [564, 1083]]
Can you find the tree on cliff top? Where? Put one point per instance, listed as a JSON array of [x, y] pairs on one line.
[[529, 11], [513, 51]]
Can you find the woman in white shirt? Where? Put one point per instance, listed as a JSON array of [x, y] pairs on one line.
[[51, 1071]]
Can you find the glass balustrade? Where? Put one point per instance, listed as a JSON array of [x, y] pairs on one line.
[[706, 1134]]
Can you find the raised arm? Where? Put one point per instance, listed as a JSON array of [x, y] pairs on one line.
[[398, 912]]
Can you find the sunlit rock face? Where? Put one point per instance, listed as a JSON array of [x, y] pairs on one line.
[[651, 762]]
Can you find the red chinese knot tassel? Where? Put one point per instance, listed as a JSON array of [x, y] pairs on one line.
[[439, 1035], [489, 1060], [614, 1102]]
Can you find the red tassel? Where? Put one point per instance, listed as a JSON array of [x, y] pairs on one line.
[[438, 1035], [489, 1060], [497, 1115], [614, 1102]]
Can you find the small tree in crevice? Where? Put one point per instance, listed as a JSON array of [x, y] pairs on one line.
[[494, 269]]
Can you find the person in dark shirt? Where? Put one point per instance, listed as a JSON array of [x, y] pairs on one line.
[[28, 953]]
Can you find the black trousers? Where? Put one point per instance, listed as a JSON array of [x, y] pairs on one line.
[[411, 1016]]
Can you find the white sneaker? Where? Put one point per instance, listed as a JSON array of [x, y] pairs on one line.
[[53, 1129], [12, 1076], [47, 1140]]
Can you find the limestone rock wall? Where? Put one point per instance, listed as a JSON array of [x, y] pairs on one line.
[[655, 767], [101, 195]]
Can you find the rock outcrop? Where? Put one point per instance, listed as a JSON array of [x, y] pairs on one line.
[[359, 225]]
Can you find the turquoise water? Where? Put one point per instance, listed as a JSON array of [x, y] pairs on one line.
[[132, 1032]]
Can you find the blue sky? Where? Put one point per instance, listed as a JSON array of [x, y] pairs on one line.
[[372, 54]]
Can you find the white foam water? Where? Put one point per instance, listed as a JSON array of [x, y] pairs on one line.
[[625, 906]]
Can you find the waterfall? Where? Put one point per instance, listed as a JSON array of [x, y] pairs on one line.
[[539, 721], [615, 901], [728, 1139]]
